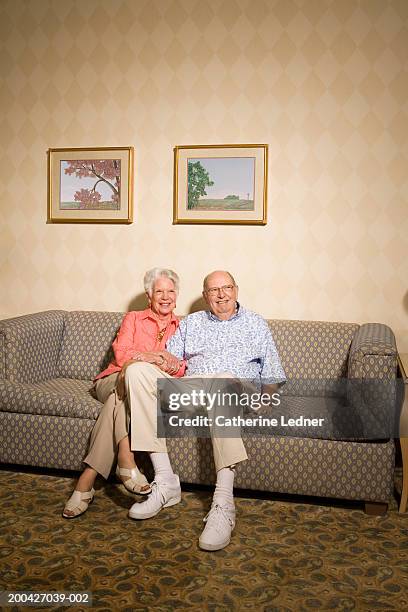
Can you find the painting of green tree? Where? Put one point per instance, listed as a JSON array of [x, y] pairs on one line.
[[198, 180], [221, 183]]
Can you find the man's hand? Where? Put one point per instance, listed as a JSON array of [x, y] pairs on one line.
[[270, 389]]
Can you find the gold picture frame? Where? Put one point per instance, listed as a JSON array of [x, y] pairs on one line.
[[220, 184], [90, 185]]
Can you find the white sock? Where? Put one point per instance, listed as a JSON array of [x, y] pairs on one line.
[[162, 467], [224, 486]]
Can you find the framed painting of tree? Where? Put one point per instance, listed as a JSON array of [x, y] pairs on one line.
[[224, 184], [90, 185]]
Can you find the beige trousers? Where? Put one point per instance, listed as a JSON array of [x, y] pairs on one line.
[[110, 428], [141, 384]]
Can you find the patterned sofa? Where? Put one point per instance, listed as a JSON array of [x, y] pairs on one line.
[[48, 359]]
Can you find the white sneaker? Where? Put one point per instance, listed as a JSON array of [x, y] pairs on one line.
[[220, 521], [163, 495]]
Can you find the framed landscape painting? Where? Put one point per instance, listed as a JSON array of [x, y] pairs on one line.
[[90, 185], [220, 184]]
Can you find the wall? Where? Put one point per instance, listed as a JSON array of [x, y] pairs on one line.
[[323, 82]]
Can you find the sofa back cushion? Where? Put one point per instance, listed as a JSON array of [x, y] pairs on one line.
[[29, 346], [308, 349], [313, 349], [86, 343]]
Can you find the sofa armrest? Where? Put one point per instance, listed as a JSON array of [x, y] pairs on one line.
[[372, 382], [373, 353], [30, 345]]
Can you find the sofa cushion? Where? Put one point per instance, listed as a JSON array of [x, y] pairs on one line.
[[334, 419], [86, 343], [315, 387], [58, 397], [313, 349]]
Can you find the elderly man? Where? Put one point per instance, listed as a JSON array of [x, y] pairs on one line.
[[227, 338]]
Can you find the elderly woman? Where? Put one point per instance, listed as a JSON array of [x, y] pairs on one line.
[[141, 337]]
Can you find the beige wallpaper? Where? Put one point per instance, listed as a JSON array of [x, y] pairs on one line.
[[323, 82]]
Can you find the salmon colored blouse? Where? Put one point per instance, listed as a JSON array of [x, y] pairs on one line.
[[139, 332]]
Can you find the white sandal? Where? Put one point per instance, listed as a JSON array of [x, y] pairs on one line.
[[135, 482], [78, 503]]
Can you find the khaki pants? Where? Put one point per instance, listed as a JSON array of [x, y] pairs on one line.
[[141, 384], [110, 428]]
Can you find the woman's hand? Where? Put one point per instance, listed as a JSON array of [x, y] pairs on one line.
[[153, 357], [171, 364], [162, 359]]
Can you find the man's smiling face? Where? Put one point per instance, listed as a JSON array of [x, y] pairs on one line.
[[220, 293]]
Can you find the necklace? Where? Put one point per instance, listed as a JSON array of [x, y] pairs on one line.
[[160, 334]]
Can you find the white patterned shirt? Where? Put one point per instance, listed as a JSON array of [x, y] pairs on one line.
[[242, 345]]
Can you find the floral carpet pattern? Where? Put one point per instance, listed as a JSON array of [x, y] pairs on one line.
[[283, 556]]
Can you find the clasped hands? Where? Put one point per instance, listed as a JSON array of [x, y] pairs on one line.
[[164, 360]]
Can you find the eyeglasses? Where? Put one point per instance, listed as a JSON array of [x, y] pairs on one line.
[[224, 289]]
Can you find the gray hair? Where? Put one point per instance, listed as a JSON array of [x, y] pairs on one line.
[[152, 275], [224, 271]]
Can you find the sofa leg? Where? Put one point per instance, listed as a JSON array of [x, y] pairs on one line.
[[376, 508]]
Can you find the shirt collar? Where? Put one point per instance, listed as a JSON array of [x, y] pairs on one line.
[[149, 314], [239, 311]]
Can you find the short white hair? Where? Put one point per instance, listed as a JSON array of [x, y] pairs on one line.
[[152, 275]]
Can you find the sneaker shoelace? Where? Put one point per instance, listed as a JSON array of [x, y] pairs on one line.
[[157, 488], [218, 513], [160, 489]]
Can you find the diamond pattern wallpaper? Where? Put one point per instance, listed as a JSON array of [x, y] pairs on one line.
[[323, 82]]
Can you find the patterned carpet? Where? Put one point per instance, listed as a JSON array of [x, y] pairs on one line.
[[284, 555]]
